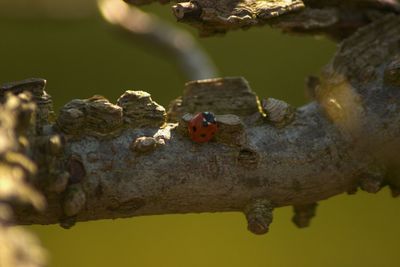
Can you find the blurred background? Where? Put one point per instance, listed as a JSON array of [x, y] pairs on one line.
[[70, 45]]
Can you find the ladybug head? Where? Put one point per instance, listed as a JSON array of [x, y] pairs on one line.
[[208, 118]]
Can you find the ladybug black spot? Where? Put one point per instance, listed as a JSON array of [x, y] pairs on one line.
[[203, 135], [194, 128]]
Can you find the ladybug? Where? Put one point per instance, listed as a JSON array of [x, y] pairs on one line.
[[202, 127]]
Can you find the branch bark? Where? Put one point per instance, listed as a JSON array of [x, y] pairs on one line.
[[335, 18], [101, 160]]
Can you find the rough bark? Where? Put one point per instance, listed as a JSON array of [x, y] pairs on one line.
[[100, 160], [335, 18]]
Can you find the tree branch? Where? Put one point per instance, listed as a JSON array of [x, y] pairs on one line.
[[102, 160], [335, 18]]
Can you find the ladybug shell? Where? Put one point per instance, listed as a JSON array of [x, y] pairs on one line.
[[202, 127]]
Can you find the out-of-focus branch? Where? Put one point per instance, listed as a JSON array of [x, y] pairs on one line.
[[18, 248], [178, 44]]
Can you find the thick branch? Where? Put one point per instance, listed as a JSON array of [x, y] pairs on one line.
[[125, 160], [181, 176]]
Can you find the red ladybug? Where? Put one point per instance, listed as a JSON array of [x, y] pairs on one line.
[[202, 127]]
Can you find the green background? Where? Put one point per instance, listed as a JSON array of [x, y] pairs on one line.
[[82, 57]]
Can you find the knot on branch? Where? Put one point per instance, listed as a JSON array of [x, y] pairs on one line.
[[140, 110], [98, 117], [145, 144], [102, 117], [394, 190], [393, 179], [248, 158], [259, 216], [303, 214], [372, 180], [231, 95], [231, 130], [279, 113], [74, 200], [95, 116], [76, 169], [187, 11]]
